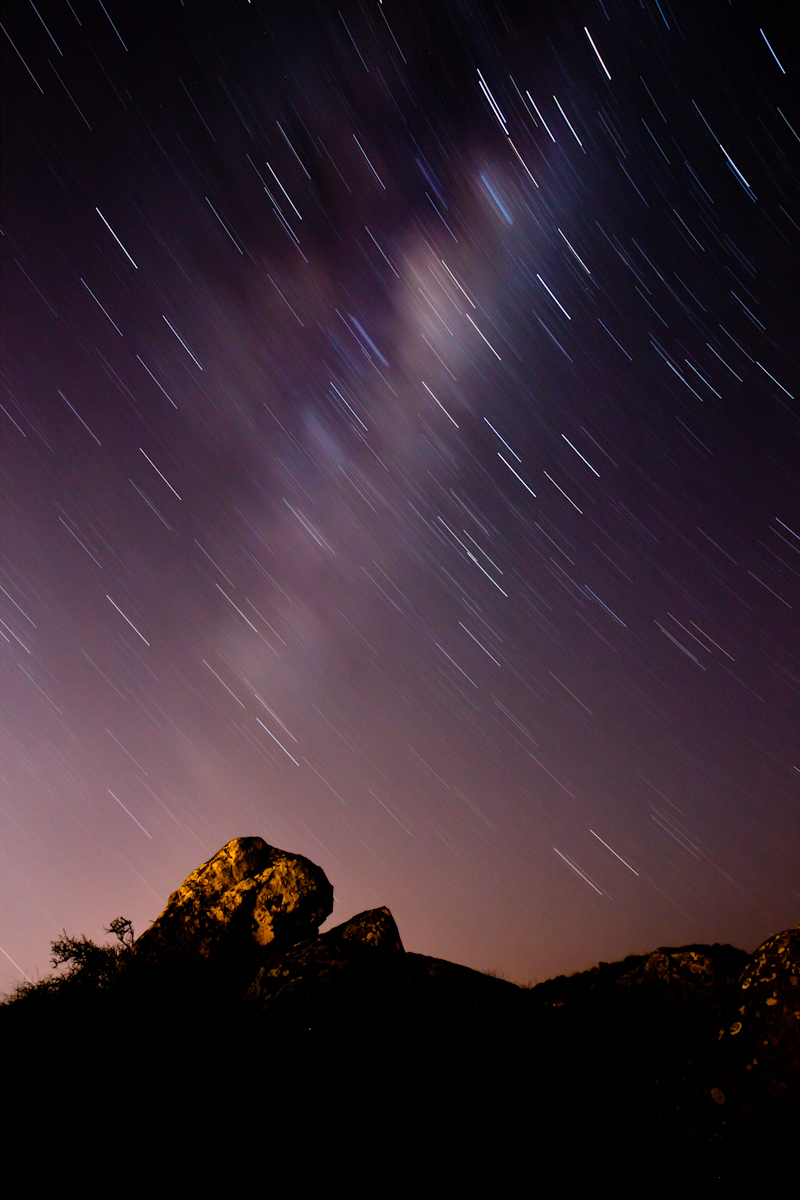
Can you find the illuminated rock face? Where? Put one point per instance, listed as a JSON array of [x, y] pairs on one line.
[[759, 1042], [246, 897], [686, 1059]]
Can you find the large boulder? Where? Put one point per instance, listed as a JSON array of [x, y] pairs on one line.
[[343, 971], [224, 915], [758, 1052]]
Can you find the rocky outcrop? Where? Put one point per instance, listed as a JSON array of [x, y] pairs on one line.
[[243, 1018], [756, 1064], [224, 915], [339, 972], [358, 978], [697, 975], [698, 1046]]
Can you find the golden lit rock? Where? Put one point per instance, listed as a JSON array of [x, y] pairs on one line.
[[245, 897]]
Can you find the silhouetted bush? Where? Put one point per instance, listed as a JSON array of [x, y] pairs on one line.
[[87, 967]]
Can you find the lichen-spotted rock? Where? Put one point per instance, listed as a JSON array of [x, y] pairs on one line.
[[679, 975], [247, 896], [760, 1037]]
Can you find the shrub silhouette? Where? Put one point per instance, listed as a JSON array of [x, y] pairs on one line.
[[89, 967]]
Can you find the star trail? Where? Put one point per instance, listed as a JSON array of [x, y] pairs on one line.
[[400, 463]]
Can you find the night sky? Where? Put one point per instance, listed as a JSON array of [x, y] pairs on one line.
[[400, 463]]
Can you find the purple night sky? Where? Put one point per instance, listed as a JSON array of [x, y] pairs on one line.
[[400, 463]]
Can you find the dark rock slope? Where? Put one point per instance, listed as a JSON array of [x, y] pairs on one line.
[[234, 1021]]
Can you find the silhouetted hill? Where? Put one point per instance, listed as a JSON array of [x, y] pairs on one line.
[[232, 1021]]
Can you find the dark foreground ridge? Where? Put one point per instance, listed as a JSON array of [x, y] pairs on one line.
[[232, 1022]]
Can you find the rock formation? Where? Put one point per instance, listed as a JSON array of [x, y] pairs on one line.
[[245, 897], [232, 1003], [756, 1063], [357, 978], [321, 974]]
